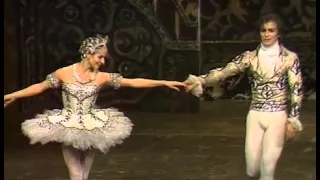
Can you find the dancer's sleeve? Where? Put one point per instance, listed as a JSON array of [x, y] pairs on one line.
[[295, 83], [115, 80], [53, 80], [237, 65]]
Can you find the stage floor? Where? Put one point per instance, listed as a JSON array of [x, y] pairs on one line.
[[204, 146]]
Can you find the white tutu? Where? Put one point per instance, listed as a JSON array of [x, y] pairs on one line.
[[99, 128]]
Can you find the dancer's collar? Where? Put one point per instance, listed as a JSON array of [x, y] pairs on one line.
[[274, 48], [282, 50]]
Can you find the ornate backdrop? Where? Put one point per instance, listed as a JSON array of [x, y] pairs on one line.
[[158, 39]]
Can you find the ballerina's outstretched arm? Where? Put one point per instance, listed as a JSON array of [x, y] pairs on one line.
[[116, 81], [51, 81]]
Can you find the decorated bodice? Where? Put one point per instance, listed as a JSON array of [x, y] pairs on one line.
[[80, 98]]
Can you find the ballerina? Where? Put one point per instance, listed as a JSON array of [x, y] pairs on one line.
[[79, 126]]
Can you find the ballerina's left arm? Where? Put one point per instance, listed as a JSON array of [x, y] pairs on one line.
[[116, 81]]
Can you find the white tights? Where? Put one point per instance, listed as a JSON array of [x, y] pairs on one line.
[[265, 135], [78, 162]]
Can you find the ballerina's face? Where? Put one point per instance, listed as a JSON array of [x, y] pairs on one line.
[[97, 59]]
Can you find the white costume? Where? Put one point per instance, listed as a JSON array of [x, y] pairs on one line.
[[272, 71], [79, 126]]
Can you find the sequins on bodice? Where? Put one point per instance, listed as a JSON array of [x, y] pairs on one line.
[[79, 98]]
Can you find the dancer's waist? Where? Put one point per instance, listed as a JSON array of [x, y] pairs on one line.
[[69, 111], [268, 106]]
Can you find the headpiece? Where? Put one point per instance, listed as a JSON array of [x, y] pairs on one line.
[[91, 44]]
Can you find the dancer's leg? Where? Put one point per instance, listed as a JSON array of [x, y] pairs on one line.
[[72, 158], [253, 144], [272, 144], [87, 161]]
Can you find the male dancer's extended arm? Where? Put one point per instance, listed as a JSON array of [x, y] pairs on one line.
[[237, 65]]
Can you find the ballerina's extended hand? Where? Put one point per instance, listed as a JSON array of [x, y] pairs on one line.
[[8, 100], [175, 85]]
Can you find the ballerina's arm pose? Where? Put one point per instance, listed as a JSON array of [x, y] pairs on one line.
[[93, 53], [107, 78], [32, 90]]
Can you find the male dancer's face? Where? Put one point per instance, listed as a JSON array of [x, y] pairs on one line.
[[269, 33]]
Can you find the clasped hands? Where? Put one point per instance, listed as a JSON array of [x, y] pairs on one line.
[[192, 84]]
